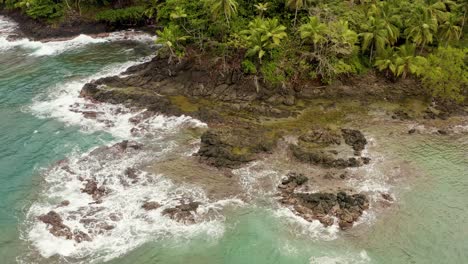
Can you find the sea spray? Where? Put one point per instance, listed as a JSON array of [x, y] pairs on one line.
[[9, 39]]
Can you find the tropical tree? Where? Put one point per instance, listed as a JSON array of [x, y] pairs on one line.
[[296, 5], [314, 31], [449, 29], [225, 8], [172, 39], [391, 21], [385, 62], [445, 74], [401, 62], [375, 36], [422, 27], [406, 62], [262, 36], [261, 8]]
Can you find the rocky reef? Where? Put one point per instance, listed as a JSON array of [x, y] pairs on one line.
[[325, 207]]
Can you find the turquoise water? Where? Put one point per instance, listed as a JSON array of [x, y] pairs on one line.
[[428, 223]]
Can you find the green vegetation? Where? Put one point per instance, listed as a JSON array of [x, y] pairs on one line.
[[284, 41]]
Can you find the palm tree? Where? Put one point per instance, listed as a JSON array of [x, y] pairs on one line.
[[314, 31], [261, 8], [226, 8], [392, 22], [262, 36], [422, 27], [342, 38], [386, 61], [172, 38], [296, 5], [406, 62], [449, 30], [375, 36]]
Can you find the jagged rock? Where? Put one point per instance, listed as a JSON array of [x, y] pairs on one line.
[[324, 206], [132, 173], [81, 236], [91, 188], [320, 157], [232, 147], [148, 206], [354, 138], [55, 223], [322, 136], [401, 115], [296, 178], [183, 213]]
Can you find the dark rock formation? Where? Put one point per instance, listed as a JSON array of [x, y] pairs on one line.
[[323, 206], [324, 158], [56, 226], [233, 146], [183, 213], [322, 136], [91, 188], [355, 139], [148, 206]]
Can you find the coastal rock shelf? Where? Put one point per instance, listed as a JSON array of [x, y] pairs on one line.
[[325, 207]]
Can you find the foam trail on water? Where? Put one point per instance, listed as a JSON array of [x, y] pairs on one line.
[[349, 258]]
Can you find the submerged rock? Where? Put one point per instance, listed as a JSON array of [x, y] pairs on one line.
[[322, 136], [183, 213], [91, 188], [148, 206], [355, 139], [327, 159], [55, 223]]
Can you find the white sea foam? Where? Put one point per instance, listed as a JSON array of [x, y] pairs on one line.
[[374, 178], [134, 226], [349, 258], [63, 103], [38, 48], [124, 197], [314, 229], [256, 180]]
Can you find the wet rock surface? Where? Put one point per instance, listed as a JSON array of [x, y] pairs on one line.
[[320, 147], [234, 146], [56, 227], [355, 139], [184, 213], [322, 206], [148, 206]]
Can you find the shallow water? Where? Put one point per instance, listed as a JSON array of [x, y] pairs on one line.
[[428, 222]]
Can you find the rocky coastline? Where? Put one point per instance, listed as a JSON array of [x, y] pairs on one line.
[[73, 26], [248, 119]]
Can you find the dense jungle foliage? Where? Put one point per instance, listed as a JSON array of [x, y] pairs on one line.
[[293, 40]]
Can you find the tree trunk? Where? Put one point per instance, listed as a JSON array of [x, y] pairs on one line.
[[462, 25], [295, 15]]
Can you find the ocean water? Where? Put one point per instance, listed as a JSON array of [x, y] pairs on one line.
[[40, 125]]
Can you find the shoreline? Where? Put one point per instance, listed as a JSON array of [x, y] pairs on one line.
[[40, 31], [246, 125]]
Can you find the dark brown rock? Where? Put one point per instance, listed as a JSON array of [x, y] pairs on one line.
[[355, 139], [183, 213], [148, 206], [55, 223]]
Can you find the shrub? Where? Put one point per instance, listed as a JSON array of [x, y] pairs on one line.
[[130, 15]]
